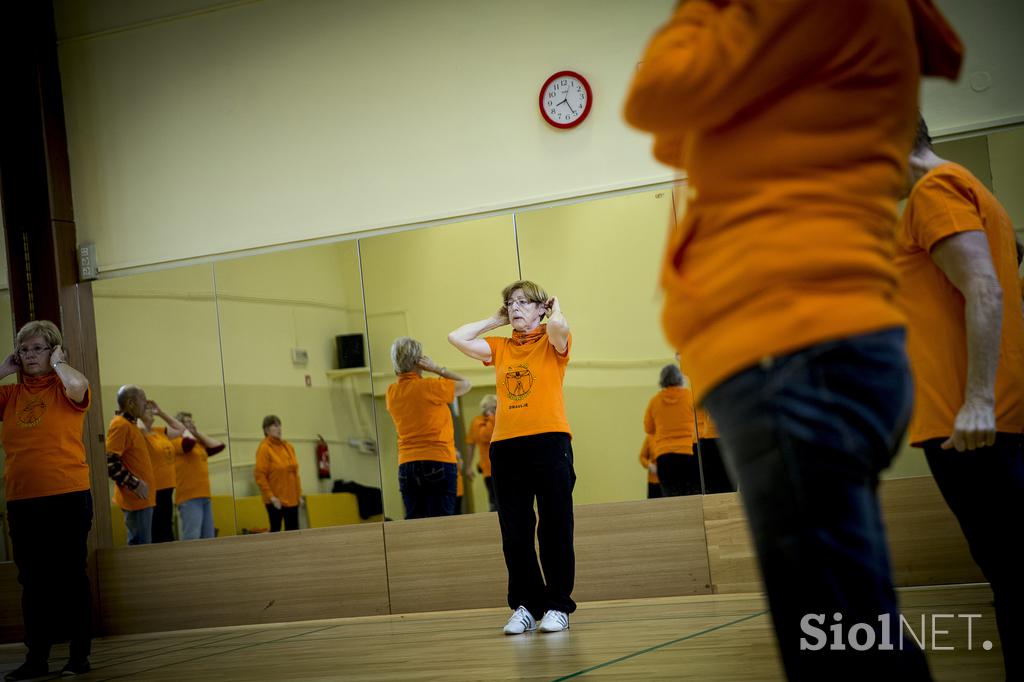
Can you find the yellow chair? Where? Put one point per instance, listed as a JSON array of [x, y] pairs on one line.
[[119, 531], [251, 514], [332, 509], [223, 515]]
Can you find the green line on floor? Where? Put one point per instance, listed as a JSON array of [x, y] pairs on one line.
[[659, 646]]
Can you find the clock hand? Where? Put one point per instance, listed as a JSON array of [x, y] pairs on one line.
[[570, 107]]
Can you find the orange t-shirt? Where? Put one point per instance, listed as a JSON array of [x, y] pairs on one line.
[[126, 439], [705, 426], [669, 421], [277, 472], [161, 452], [946, 201], [419, 408], [793, 121], [480, 431], [645, 460], [42, 438], [191, 472], [528, 375]]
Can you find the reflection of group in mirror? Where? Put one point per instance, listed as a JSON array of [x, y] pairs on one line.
[[158, 468]]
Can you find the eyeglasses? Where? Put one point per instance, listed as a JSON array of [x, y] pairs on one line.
[[520, 302], [34, 350]]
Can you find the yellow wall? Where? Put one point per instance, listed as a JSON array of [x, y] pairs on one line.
[[267, 122], [1006, 153]]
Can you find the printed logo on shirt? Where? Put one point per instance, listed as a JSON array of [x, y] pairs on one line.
[[518, 382], [32, 414]]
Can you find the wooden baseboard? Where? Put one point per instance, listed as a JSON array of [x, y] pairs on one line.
[[624, 550], [266, 578]]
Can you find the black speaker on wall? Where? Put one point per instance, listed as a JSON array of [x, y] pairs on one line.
[[350, 351]]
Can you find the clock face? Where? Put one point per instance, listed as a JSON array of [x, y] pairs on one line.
[[565, 99]]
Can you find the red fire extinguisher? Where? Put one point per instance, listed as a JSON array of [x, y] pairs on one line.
[[323, 459]]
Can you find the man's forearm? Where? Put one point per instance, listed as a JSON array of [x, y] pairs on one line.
[[983, 316], [119, 473]]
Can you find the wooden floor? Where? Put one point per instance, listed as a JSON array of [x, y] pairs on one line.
[[716, 637]]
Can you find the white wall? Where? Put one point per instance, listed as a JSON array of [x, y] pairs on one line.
[[195, 132]]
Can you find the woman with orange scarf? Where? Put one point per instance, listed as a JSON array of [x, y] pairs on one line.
[[49, 505]]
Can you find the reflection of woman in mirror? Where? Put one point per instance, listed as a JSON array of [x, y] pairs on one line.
[[161, 454], [49, 506], [669, 422], [427, 461], [716, 480], [479, 436], [277, 475], [647, 462], [192, 473], [531, 452]]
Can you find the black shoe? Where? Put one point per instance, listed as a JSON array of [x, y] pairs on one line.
[[76, 667], [28, 670]]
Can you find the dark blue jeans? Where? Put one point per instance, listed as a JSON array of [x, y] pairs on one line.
[[805, 436], [428, 488], [985, 490]]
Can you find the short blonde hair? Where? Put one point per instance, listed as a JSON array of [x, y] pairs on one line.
[[531, 290], [44, 328], [405, 354], [489, 401]]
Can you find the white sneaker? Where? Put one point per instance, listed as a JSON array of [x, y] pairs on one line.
[[520, 622], [554, 621]]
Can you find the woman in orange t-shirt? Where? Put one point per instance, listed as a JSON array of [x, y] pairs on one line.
[[160, 441], [192, 475], [277, 475], [669, 422], [427, 461], [531, 452], [479, 435], [49, 504]]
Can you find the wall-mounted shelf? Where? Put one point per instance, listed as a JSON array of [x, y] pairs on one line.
[[350, 372]]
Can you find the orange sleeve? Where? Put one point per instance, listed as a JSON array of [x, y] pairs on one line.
[[645, 453], [117, 438], [497, 344], [260, 471], [563, 358], [6, 392], [649, 418], [471, 432], [715, 57], [668, 149], [78, 407], [942, 206], [442, 390]]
